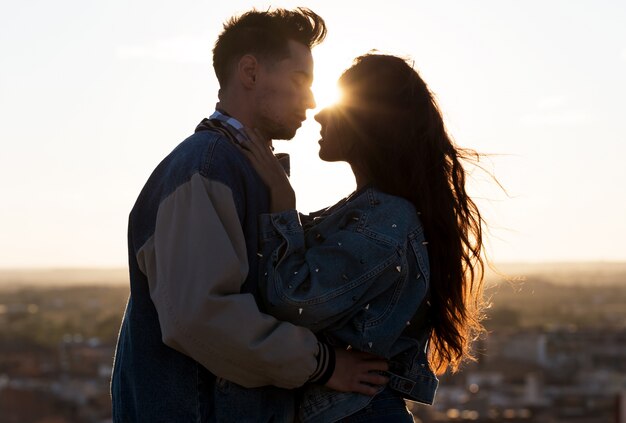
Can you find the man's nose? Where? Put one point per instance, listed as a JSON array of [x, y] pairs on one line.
[[309, 101]]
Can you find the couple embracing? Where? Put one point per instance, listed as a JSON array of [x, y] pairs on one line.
[[242, 309]]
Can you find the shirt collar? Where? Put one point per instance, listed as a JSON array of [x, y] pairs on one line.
[[223, 117], [241, 136]]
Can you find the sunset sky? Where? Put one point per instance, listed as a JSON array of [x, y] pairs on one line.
[[93, 94]]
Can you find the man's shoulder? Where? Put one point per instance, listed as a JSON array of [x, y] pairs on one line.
[[205, 150], [209, 154], [204, 141]]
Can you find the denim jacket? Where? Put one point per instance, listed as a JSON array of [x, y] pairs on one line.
[[192, 312], [356, 274]]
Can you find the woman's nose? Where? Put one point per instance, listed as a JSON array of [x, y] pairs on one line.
[[320, 116]]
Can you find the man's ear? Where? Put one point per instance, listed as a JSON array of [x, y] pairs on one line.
[[247, 70]]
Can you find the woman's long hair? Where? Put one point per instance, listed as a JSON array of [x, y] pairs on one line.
[[401, 145]]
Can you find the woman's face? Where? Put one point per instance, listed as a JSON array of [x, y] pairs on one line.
[[334, 144]]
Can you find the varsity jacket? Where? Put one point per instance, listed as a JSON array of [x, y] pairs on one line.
[[192, 314]]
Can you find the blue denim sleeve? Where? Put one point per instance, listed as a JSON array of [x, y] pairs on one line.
[[322, 285]]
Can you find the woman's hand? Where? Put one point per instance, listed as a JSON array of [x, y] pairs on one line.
[[357, 371], [258, 151]]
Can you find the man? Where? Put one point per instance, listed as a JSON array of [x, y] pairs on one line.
[[192, 240]]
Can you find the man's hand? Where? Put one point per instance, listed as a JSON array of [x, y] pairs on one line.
[[356, 371]]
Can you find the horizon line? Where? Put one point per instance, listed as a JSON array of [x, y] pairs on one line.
[[104, 267]]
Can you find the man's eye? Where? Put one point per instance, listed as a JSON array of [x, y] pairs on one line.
[[300, 81]]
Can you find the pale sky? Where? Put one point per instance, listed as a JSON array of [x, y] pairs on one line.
[[93, 94]]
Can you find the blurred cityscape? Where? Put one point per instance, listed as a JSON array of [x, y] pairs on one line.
[[555, 351]]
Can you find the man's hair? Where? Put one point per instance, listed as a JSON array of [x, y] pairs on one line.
[[265, 35]]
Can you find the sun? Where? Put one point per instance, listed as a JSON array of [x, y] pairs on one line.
[[326, 91], [328, 69]]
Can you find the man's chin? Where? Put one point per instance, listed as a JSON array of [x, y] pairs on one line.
[[284, 134]]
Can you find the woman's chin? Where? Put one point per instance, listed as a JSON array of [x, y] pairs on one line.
[[321, 152], [328, 158]]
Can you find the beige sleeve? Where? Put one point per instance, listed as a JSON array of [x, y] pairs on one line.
[[196, 263]]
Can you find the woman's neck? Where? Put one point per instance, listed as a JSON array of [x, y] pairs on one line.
[[359, 176]]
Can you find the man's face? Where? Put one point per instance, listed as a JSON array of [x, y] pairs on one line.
[[284, 93]]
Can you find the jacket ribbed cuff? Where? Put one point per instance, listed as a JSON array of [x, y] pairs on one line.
[[325, 364]]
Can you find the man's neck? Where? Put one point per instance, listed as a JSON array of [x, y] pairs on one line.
[[234, 110]]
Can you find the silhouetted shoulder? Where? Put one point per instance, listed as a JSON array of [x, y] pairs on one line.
[[393, 215]]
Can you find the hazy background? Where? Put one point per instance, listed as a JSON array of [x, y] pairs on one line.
[[93, 94]]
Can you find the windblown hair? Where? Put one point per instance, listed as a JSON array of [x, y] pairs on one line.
[[403, 148], [265, 35]]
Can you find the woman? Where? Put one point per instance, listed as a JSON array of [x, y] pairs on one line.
[[395, 269]]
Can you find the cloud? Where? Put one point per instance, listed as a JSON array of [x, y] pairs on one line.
[[556, 110], [558, 118], [551, 102], [179, 49]]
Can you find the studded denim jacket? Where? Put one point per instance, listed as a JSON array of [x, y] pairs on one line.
[[356, 274]]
